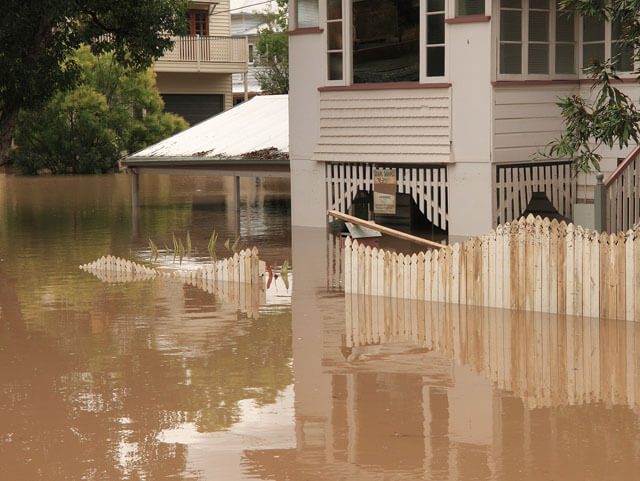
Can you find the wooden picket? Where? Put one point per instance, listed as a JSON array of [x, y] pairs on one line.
[[530, 264]]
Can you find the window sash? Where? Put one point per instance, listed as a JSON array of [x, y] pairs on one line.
[[347, 47]]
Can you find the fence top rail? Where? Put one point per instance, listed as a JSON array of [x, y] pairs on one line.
[[623, 165], [385, 230]]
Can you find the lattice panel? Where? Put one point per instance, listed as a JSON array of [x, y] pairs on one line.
[[427, 185], [516, 183]]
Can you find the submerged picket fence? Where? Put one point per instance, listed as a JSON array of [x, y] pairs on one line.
[[529, 264], [236, 280]]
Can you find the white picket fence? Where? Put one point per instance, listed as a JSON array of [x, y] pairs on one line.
[[236, 280], [530, 264]]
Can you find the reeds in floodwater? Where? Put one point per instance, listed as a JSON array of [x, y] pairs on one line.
[[175, 247], [188, 244], [211, 247], [284, 273], [181, 250], [154, 251]]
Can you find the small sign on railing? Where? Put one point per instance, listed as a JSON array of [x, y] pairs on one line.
[[384, 190]]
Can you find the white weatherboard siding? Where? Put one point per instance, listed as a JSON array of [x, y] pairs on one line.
[[384, 126], [526, 118], [260, 123], [220, 20]]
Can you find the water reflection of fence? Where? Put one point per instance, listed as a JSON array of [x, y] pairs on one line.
[[236, 280], [530, 264], [545, 359]]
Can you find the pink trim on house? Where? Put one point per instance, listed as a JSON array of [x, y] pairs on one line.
[[385, 86], [305, 31], [468, 19]]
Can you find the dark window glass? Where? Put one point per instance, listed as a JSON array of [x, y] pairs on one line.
[[435, 29], [435, 61], [511, 58], [469, 7], [565, 58], [335, 66], [565, 27], [386, 39], [539, 58], [334, 35], [593, 29], [592, 53], [334, 9], [435, 5], [511, 25]]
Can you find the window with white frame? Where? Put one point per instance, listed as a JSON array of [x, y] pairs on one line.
[[376, 41], [335, 48], [435, 60], [538, 40]]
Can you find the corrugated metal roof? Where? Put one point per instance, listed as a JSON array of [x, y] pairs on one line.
[[258, 124]]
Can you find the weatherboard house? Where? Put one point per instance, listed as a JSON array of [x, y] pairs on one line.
[[454, 98]]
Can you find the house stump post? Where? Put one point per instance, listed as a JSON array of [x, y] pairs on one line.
[[600, 207]]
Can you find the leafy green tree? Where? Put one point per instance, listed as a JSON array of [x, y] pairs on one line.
[[608, 117], [272, 50], [37, 38], [115, 110]]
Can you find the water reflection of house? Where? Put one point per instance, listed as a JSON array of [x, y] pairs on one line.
[[194, 78], [488, 396], [456, 96]]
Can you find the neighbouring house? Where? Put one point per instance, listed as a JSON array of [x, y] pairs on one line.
[[456, 96], [195, 77], [247, 17]]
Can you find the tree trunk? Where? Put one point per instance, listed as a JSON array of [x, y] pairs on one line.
[[8, 121]]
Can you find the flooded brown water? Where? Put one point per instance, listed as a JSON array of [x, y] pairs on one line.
[[156, 380]]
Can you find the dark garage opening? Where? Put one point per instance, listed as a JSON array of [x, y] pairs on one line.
[[194, 107]]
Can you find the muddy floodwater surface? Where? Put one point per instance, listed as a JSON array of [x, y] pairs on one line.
[[157, 379]]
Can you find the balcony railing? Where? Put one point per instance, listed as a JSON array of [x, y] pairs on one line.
[[207, 50]]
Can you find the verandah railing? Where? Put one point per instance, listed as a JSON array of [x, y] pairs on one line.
[[622, 196]]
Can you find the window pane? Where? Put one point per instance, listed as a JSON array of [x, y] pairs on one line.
[[511, 4], [539, 26], [624, 61], [510, 25], [565, 58], [435, 61], [435, 29], [307, 13], [539, 4], [334, 9], [617, 30], [539, 58], [511, 58], [592, 29], [592, 53], [386, 41], [565, 27], [335, 66], [334, 35], [435, 5], [469, 7]]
